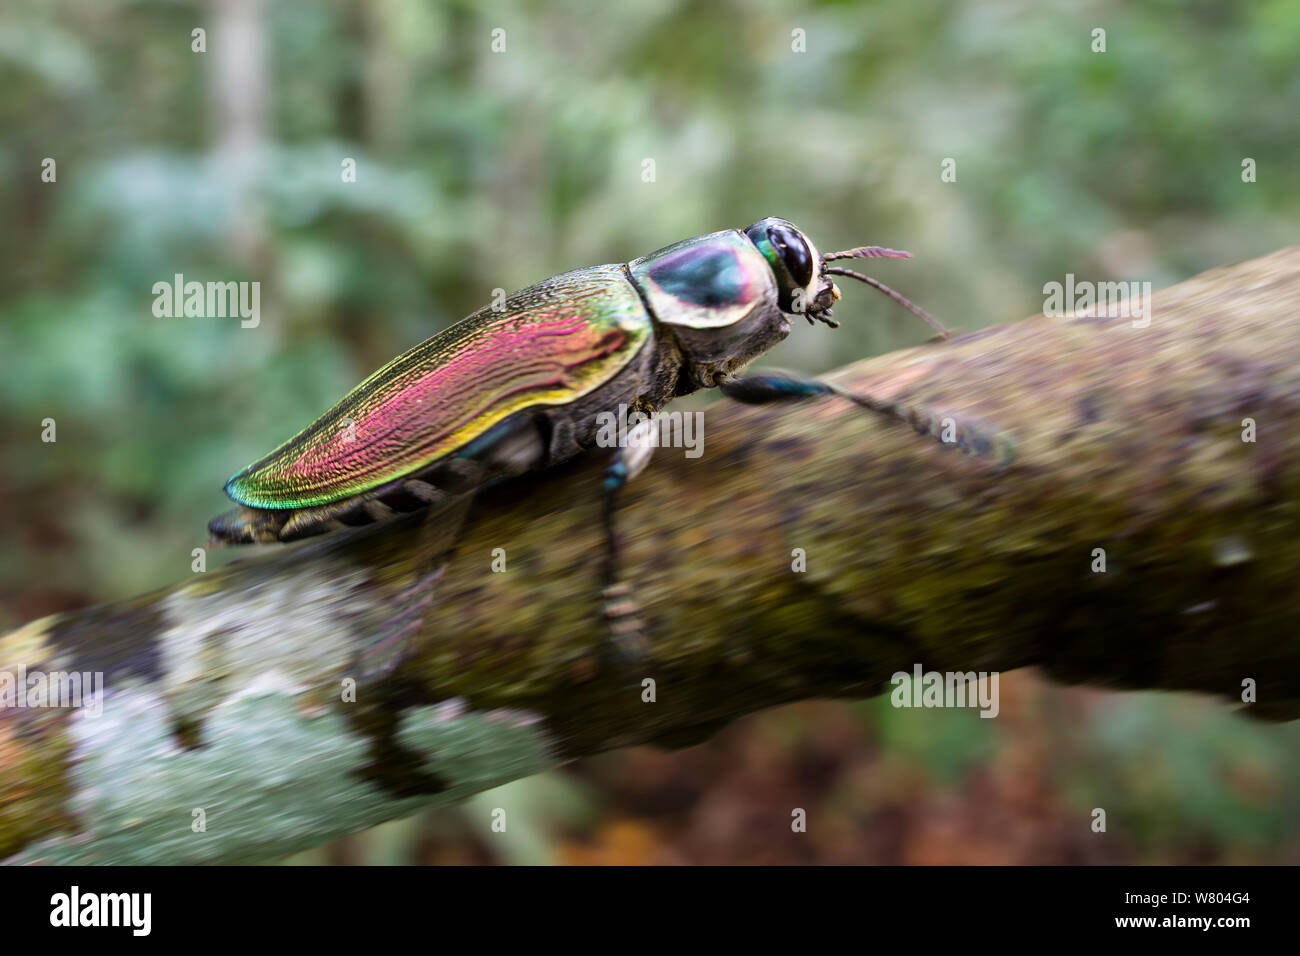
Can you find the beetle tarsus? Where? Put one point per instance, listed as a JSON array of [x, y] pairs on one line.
[[965, 434], [389, 646], [623, 618]]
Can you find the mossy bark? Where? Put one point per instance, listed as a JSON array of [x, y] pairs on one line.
[[228, 695]]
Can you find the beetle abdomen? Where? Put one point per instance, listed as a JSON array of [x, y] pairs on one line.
[[512, 447], [551, 344], [265, 525]]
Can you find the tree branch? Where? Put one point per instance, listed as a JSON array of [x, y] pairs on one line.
[[224, 693]]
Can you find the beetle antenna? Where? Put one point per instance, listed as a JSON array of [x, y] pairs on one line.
[[867, 252], [881, 287]]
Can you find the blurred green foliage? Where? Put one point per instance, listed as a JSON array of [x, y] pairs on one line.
[[481, 169]]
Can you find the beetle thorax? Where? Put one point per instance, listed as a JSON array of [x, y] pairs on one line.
[[716, 297], [707, 356]]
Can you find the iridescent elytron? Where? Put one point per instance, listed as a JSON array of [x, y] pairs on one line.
[[552, 344], [519, 387]]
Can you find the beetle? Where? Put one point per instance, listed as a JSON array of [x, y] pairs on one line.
[[519, 386]]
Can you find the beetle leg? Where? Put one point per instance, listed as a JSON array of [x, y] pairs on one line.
[[511, 447], [967, 435], [387, 644], [772, 386], [622, 612]]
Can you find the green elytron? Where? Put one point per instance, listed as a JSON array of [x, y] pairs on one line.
[[520, 386]]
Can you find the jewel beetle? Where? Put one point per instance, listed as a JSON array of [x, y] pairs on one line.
[[519, 386]]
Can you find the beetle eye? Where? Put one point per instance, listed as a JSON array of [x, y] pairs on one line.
[[794, 253]]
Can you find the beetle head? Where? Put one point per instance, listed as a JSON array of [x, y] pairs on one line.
[[803, 276], [801, 285]]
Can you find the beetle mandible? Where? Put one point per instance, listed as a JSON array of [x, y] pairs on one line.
[[513, 389]]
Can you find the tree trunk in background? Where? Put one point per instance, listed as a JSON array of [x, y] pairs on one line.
[[237, 46]]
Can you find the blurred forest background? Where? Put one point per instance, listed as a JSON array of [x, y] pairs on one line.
[[478, 169]]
